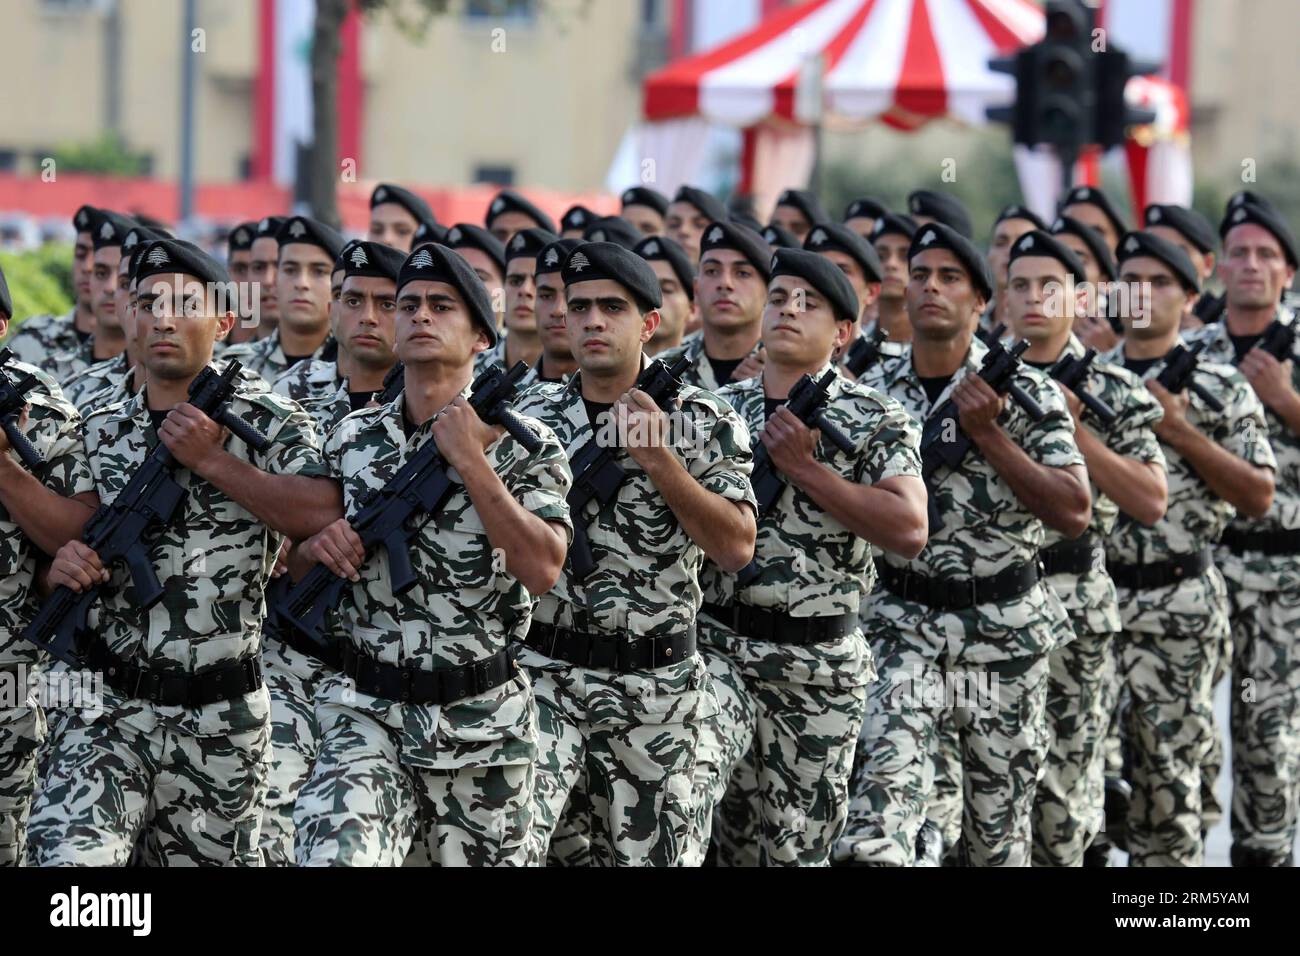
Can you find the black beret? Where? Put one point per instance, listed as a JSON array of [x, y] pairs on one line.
[[645, 196], [865, 209], [704, 202], [1247, 196], [900, 225], [806, 202], [746, 220], [268, 227], [417, 207], [824, 276], [1093, 239], [85, 218], [942, 208], [374, 259], [135, 241], [738, 238], [6, 301], [935, 235], [464, 235], [428, 232], [436, 263], [834, 237], [663, 249], [1188, 223], [577, 217], [1136, 244], [1266, 217], [241, 237], [527, 243], [1040, 243], [1016, 211], [1092, 196], [165, 256], [111, 229], [312, 232], [779, 238], [614, 229], [592, 261], [510, 201], [552, 258]]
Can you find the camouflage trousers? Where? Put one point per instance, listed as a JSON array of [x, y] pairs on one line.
[[619, 758], [1002, 747], [1212, 765], [291, 679], [1265, 721], [188, 800], [944, 806], [1168, 729], [1068, 805], [363, 806], [775, 763], [22, 728]]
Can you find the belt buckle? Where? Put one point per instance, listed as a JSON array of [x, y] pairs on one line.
[[252, 672], [481, 669], [971, 590], [554, 641], [407, 681]]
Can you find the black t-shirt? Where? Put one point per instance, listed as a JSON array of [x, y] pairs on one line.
[[723, 368], [156, 418], [1041, 366], [82, 336], [770, 405], [1241, 344], [293, 360], [934, 386], [408, 426], [1140, 367], [595, 410], [360, 399]]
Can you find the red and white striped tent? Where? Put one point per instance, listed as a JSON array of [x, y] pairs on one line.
[[901, 61]]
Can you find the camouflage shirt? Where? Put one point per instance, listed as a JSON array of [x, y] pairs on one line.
[[40, 338], [213, 561], [1259, 571], [312, 379], [464, 607], [700, 372], [103, 376], [809, 564], [54, 428], [1195, 516], [64, 365], [986, 528], [266, 356], [1090, 598]]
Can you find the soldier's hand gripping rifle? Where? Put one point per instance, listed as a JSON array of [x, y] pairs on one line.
[[1180, 366], [13, 399], [119, 531], [1072, 372], [597, 474], [390, 517], [865, 352], [807, 402], [1279, 339], [945, 444]]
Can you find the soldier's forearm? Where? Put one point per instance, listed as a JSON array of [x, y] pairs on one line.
[[533, 549], [1289, 411], [1246, 487], [724, 530], [891, 515], [48, 519], [293, 505], [1059, 497], [1139, 488]]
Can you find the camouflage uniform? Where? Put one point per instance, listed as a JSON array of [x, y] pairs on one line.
[[53, 428], [309, 380], [700, 372], [918, 648], [493, 355], [1264, 608], [188, 781], [64, 365], [100, 377], [266, 356], [458, 777], [1068, 804], [634, 733], [40, 338], [796, 710], [1166, 651]]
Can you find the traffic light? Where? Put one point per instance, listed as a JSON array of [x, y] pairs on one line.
[[1114, 69]]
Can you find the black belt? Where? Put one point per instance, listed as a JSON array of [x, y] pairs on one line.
[[1071, 557], [172, 689], [328, 653], [1158, 574], [955, 594], [610, 652], [762, 624], [411, 685], [1265, 542]]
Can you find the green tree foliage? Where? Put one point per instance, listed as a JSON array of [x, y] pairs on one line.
[[107, 155], [40, 280]]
